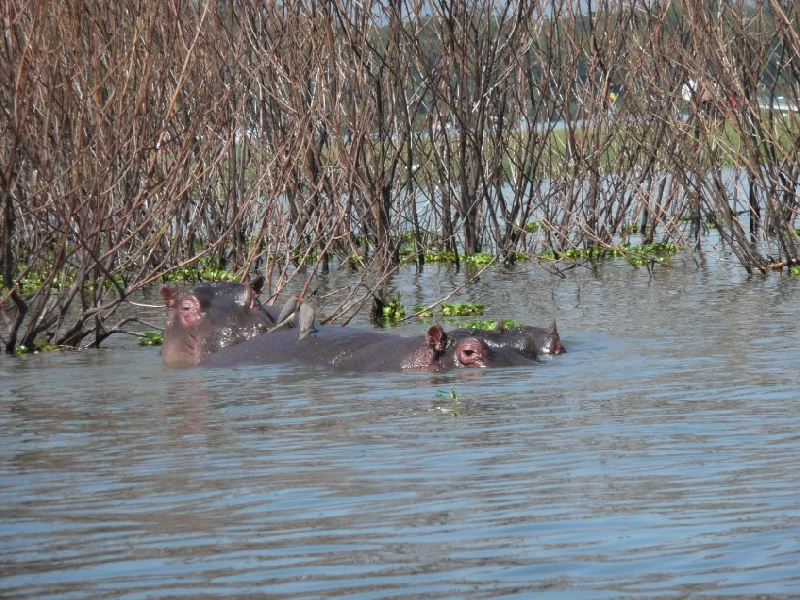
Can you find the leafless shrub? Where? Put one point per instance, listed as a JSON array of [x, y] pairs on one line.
[[142, 139]]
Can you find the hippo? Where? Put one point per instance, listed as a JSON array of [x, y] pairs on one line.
[[351, 349], [224, 324], [545, 340], [211, 316]]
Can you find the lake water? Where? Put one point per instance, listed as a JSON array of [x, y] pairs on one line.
[[659, 457]]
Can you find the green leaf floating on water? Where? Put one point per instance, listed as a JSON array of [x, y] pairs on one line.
[[151, 338]]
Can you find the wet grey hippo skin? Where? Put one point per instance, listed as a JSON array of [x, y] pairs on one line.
[[357, 350], [223, 325], [544, 340], [208, 317]]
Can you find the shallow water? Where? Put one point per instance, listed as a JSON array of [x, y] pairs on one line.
[[658, 457]]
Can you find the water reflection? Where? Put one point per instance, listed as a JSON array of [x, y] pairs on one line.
[[656, 457]]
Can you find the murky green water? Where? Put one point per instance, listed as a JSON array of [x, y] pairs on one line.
[[659, 457]]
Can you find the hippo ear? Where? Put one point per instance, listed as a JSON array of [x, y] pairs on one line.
[[553, 329], [169, 295], [436, 338]]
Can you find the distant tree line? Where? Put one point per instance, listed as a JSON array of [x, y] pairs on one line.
[[144, 138]]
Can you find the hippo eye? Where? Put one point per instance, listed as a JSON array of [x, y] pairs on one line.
[[469, 352]]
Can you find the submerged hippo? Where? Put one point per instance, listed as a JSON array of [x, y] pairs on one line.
[[211, 316], [353, 349], [544, 340], [219, 325]]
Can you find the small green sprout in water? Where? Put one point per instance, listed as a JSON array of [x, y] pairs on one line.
[[453, 398], [151, 338]]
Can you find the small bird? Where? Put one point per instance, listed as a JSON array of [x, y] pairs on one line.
[[288, 310], [306, 314]]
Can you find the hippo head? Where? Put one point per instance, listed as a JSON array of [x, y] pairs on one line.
[[210, 316], [516, 346], [527, 341], [472, 348], [442, 351]]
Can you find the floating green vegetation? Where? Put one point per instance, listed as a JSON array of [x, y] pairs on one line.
[[490, 324], [655, 252], [462, 309], [354, 263], [444, 256], [305, 259], [61, 280], [33, 281], [40, 347], [795, 270], [204, 269], [479, 259], [458, 309], [452, 397], [640, 256], [423, 312], [151, 338], [200, 274], [388, 312], [568, 254]]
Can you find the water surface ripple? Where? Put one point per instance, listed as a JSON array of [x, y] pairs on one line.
[[657, 458]]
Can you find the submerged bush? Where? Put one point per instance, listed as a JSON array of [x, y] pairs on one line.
[[210, 140]]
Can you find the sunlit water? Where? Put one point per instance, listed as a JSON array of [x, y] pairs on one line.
[[659, 457]]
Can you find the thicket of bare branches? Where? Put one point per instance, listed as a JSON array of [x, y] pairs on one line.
[[140, 138]]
